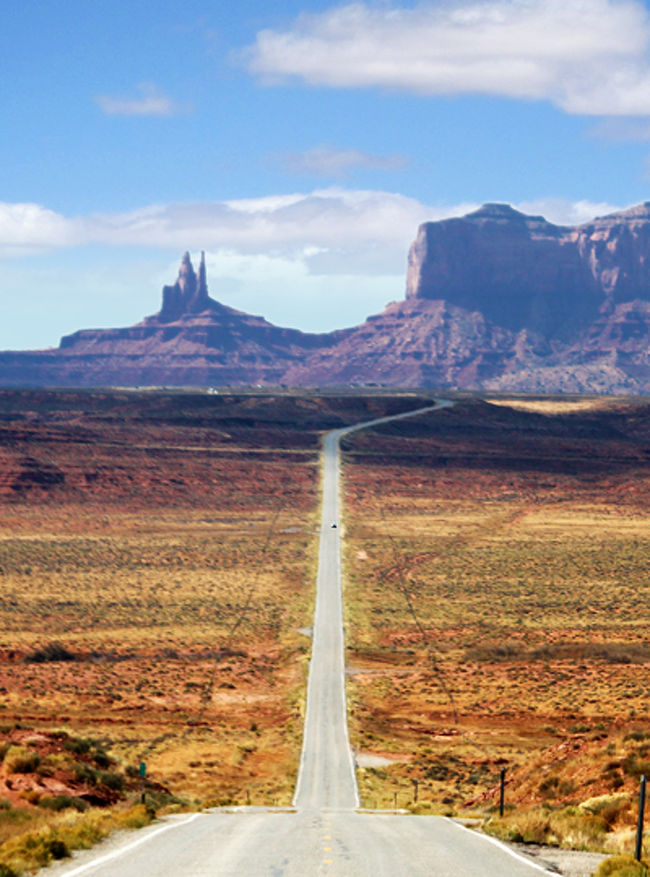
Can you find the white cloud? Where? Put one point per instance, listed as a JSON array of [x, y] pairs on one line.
[[329, 161], [586, 56], [150, 101], [335, 230], [29, 227], [331, 218]]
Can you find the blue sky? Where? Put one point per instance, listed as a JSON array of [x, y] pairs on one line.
[[299, 143]]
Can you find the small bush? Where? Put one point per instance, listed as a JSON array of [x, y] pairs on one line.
[[6, 871], [35, 849], [91, 747], [13, 816], [19, 759], [85, 773], [549, 785], [57, 849], [605, 802], [63, 802], [621, 866], [102, 758], [635, 767], [112, 780], [50, 652], [136, 817], [78, 745]]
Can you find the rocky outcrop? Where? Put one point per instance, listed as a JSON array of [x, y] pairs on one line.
[[495, 300], [617, 250]]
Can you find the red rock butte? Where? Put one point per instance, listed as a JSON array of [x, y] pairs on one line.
[[495, 300]]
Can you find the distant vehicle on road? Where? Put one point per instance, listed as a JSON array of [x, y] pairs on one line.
[[334, 525]]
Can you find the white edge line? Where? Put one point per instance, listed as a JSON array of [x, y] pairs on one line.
[[341, 433], [116, 853], [509, 850], [346, 728]]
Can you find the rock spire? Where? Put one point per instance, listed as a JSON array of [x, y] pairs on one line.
[[189, 295]]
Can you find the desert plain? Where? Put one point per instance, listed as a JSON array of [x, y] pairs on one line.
[[158, 553]]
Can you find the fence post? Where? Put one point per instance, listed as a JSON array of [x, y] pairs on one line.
[[142, 771], [639, 825], [502, 791]]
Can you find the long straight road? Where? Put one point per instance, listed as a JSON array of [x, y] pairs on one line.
[[326, 777], [323, 835]]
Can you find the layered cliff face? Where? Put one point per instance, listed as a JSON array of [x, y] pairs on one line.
[[419, 343], [495, 300], [520, 271], [523, 272]]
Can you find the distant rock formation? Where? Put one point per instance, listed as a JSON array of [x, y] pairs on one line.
[[495, 300], [192, 340], [189, 295], [523, 272], [418, 343]]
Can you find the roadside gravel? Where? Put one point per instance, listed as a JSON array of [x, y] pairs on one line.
[[569, 863]]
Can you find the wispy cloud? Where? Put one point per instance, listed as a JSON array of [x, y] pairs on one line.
[[585, 56], [328, 161], [357, 229], [561, 211], [149, 101], [341, 230], [26, 227], [346, 221]]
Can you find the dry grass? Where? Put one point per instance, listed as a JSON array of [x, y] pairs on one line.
[[166, 545], [177, 624], [173, 575], [45, 837], [496, 579], [555, 405], [157, 563]]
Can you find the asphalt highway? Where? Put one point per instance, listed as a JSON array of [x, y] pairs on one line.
[[324, 834]]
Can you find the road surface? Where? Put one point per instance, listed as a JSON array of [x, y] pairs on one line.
[[323, 834]]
